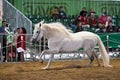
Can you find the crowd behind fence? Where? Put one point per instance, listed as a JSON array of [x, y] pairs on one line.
[[32, 51]]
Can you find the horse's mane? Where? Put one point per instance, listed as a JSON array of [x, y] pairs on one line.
[[56, 28]]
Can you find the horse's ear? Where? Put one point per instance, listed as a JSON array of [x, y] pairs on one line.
[[41, 23]]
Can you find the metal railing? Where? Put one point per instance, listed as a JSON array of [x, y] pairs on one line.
[[15, 18]]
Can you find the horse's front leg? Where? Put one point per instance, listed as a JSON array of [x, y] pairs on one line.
[[52, 52], [49, 62], [40, 56]]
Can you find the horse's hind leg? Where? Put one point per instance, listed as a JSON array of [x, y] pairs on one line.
[[91, 60], [96, 56], [90, 56]]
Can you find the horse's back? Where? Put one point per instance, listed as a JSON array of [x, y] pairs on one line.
[[85, 33]]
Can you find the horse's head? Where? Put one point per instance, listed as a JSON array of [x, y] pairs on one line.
[[37, 33]]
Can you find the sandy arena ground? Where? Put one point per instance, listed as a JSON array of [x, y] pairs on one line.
[[60, 70]]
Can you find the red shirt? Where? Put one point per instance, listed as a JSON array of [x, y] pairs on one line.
[[21, 41], [102, 19], [84, 20], [93, 21]]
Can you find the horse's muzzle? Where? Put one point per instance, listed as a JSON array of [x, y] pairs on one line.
[[34, 41]]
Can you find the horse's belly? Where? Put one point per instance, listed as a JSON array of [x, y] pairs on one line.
[[70, 46]]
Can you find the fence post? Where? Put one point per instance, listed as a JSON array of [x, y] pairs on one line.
[[107, 43]]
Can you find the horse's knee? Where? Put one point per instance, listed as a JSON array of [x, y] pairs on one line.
[[41, 61], [92, 58]]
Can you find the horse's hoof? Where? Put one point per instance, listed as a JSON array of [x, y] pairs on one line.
[[45, 68], [99, 65], [41, 61], [108, 66]]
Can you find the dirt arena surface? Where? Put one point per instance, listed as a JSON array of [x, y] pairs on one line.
[[60, 70]]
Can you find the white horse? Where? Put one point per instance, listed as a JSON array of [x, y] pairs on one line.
[[61, 40]]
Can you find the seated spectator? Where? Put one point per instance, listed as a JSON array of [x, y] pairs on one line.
[[110, 27], [76, 20], [79, 27], [108, 20], [101, 30], [118, 29], [93, 21], [62, 13], [102, 19], [54, 13], [75, 23], [92, 12], [84, 20], [83, 12]]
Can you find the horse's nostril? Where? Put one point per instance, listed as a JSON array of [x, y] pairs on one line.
[[33, 41]]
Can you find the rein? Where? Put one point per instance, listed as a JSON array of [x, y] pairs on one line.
[[35, 39]]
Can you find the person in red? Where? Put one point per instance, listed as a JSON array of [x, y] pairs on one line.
[[93, 21], [21, 44], [102, 19], [84, 20]]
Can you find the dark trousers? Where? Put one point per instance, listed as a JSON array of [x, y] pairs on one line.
[[20, 56], [4, 52]]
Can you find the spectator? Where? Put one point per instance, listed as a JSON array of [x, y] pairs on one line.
[[55, 13], [14, 38], [102, 19], [108, 20], [110, 27], [75, 22], [92, 11], [101, 30], [3, 39], [118, 29], [93, 21], [84, 20], [21, 44], [79, 27], [83, 12], [62, 13]]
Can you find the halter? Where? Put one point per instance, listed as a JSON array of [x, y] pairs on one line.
[[35, 39]]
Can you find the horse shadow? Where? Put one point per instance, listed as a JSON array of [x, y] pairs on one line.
[[68, 67]]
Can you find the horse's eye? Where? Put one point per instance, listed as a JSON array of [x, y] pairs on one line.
[[37, 32]]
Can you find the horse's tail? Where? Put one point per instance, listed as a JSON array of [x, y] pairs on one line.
[[104, 53]]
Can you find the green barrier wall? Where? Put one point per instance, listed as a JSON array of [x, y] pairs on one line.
[[72, 7], [113, 39]]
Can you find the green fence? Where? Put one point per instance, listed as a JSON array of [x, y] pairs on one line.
[[113, 39]]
